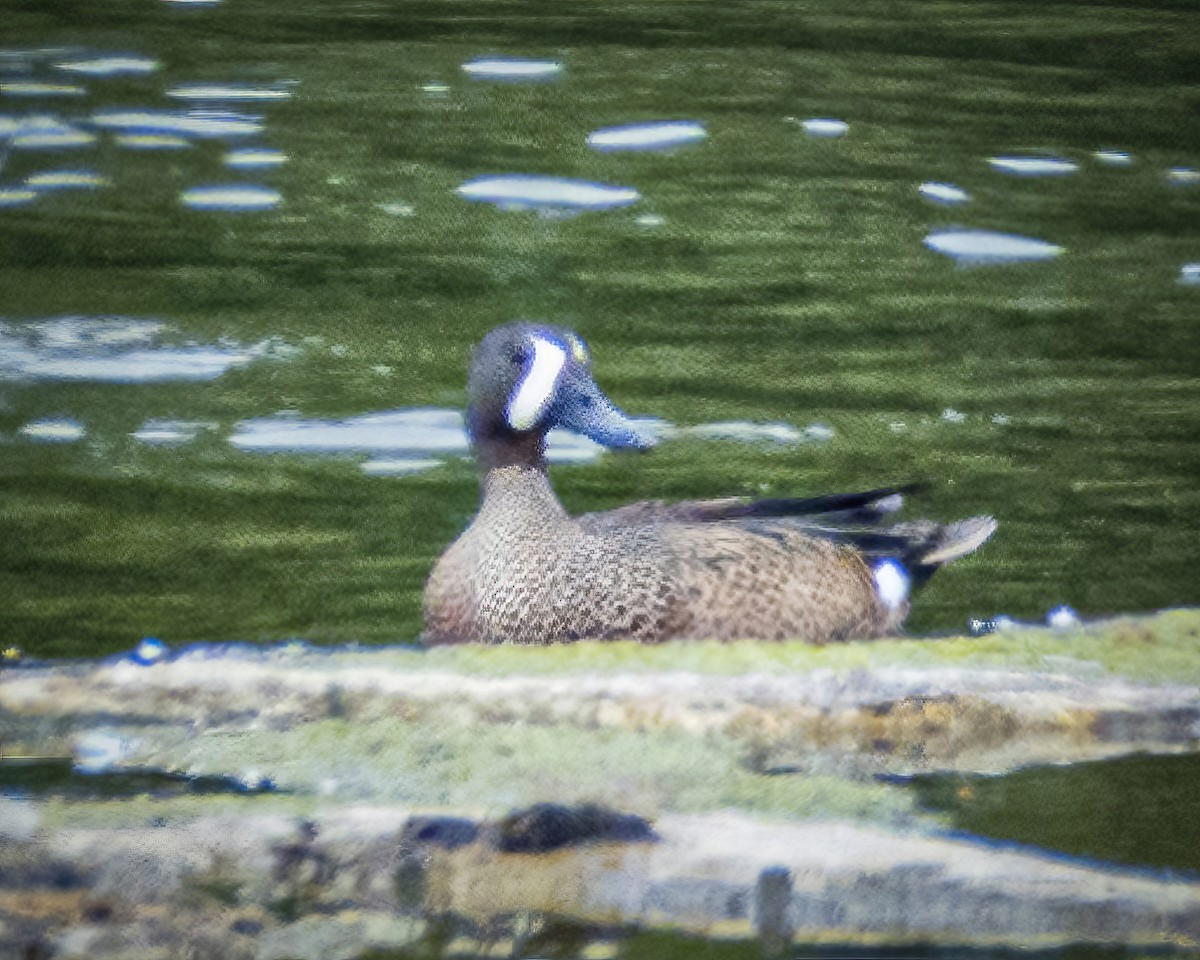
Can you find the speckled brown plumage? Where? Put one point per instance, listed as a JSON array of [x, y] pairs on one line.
[[525, 571]]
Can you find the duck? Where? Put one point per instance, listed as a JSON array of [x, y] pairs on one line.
[[819, 569]]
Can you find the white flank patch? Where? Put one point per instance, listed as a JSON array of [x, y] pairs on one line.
[[533, 394], [891, 583]]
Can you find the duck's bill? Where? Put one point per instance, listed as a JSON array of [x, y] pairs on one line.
[[582, 407]]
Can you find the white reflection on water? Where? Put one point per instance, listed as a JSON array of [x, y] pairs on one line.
[[234, 198], [530, 192], [1113, 158], [205, 124], [114, 350], [254, 158], [1189, 274], [1033, 166], [662, 135], [40, 88], [982, 247], [151, 141], [16, 197], [825, 128], [228, 92], [1183, 176], [66, 180], [112, 65], [53, 430], [167, 433], [946, 194], [43, 132], [409, 440], [512, 69]]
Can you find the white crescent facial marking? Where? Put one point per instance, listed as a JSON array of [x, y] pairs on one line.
[[535, 390]]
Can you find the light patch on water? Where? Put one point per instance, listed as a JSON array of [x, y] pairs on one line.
[[825, 128], [397, 466], [1033, 166], [66, 180], [234, 198], [254, 158], [397, 209], [43, 132], [419, 432], [661, 135], [151, 141], [16, 197], [950, 415], [228, 92], [512, 69], [149, 650], [946, 194], [169, 433], [1113, 158], [986, 247], [53, 430], [113, 65], [435, 88], [40, 88], [650, 220], [203, 124], [1189, 274], [1183, 177], [530, 192], [1001, 420], [113, 350]]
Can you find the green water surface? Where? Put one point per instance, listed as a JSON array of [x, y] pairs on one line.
[[787, 281]]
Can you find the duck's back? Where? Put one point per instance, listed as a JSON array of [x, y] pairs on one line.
[[525, 572]]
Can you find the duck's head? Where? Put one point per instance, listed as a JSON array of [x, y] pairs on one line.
[[527, 378]]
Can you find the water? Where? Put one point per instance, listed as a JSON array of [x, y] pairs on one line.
[[759, 277]]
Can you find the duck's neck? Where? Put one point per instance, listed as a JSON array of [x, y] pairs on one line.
[[517, 489], [512, 450]]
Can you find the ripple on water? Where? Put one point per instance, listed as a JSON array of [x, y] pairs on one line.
[[53, 430], [254, 158], [169, 433], [228, 93], [531, 192], [1113, 158], [113, 350], [1033, 166], [946, 194], [988, 247], [1189, 274], [512, 69], [202, 124], [16, 196], [659, 135], [110, 65], [66, 180], [232, 198], [151, 141], [40, 89], [44, 133], [825, 128]]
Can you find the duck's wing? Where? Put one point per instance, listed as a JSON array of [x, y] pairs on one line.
[[835, 511]]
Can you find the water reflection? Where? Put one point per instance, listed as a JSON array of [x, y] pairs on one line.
[[53, 430], [47, 133], [411, 440], [16, 197], [112, 65], [66, 180], [1183, 177], [825, 128], [228, 92], [169, 433], [234, 198], [1189, 274], [114, 350], [662, 135], [982, 247], [512, 69], [531, 192], [946, 194], [1113, 158], [1033, 166], [40, 88], [151, 141], [215, 124], [254, 158]]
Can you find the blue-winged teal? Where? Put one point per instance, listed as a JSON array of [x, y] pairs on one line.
[[524, 571]]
